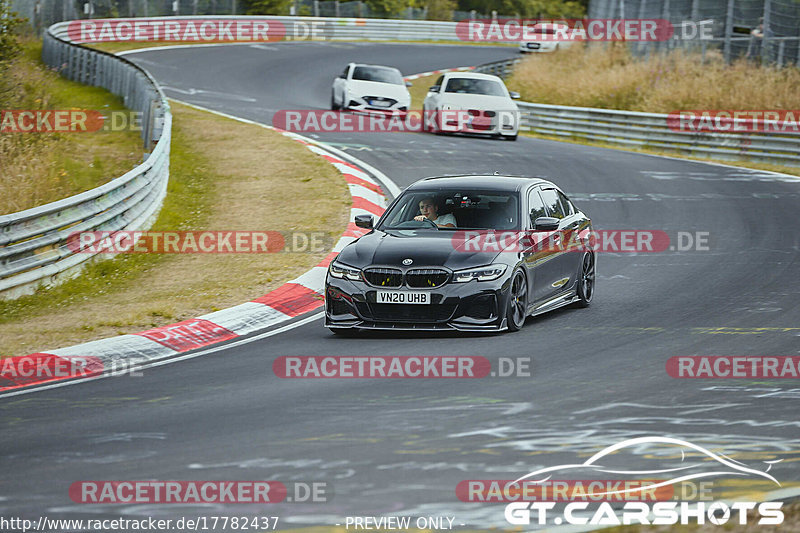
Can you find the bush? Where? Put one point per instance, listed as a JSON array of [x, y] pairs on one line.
[[9, 49]]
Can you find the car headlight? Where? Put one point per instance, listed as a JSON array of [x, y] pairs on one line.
[[485, 273], [338, 270]]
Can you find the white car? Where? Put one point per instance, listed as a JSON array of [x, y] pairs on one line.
[[469, 102], [545, 38], [371, 88]]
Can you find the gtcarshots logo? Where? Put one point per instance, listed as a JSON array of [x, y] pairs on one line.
[[703, 464], [387, 366]]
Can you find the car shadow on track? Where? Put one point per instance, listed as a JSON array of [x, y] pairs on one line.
[[530, 324]]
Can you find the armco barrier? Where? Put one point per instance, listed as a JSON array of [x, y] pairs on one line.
[[33, 243], [649, 130]]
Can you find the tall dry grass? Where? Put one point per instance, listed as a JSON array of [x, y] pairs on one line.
[[37, 168], [611, 77]]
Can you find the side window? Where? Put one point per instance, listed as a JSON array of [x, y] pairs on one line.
[[439, 81], [553, 204], [536, 206], [344, 74], [569, 209]]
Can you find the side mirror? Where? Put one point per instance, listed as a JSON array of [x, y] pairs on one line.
[[365, 221], [434, 89], [514, 95], [408, 84], [545, 224]]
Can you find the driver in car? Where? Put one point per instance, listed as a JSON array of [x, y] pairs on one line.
[[429, 210]]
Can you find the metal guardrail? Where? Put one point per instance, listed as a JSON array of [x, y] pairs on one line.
[[634, 129], [34, 244], [34, 247], [324, 28]]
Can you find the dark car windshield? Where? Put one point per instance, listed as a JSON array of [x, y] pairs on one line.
[[463, 208], [473, 86], [381, 75]]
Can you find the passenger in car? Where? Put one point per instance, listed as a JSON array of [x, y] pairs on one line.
[[429, 209]]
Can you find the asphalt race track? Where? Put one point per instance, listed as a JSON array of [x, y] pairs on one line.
[[401, 446]]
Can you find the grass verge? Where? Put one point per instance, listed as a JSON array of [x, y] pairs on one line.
[[38, 168], [224, 175], [611, 77]]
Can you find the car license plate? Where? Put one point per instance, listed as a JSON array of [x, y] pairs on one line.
[[534, 46], [380, 103], [403, 297]]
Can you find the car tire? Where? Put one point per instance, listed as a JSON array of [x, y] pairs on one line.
[[334, 105], [517, 307], [510, 137], [586, 279], [425, 127]]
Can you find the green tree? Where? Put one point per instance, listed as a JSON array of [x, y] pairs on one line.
[[267, 7], [9, 49], [528, 8], [386, 8], [440, 9]]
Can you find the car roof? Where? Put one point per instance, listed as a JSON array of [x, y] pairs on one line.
[[501, 183], [472, 75], [375, 66]]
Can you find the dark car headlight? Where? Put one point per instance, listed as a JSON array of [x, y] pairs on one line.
[[484, 273], [341, 271]]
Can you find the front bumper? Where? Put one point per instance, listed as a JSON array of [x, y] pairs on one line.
[[539, 46], [477, 122], [367, 104], [472, 306]]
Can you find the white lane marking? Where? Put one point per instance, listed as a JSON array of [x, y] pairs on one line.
[[175, 46], [191, 92], [154, 364]]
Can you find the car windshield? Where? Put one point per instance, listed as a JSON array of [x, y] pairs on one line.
[[463, 208], [381, 75], [474, 86]]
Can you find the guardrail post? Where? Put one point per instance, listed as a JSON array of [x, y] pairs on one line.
[[726, 48], [766, 32]]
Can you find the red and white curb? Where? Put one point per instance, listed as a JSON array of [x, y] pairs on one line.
[[294, 298], [431, 73]]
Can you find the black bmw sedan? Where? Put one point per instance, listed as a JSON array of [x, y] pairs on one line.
[[471, 253]]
